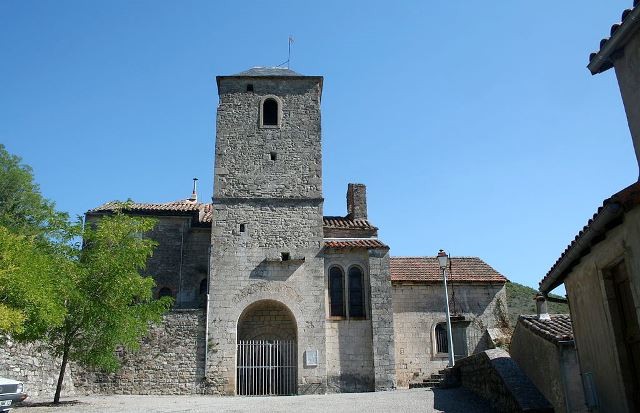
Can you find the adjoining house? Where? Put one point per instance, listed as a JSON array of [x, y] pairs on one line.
[[543, 347], [600, 268]]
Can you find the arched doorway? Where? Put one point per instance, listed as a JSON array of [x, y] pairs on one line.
[[266, 358]]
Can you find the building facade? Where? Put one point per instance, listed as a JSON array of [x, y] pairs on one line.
[[271, 296]]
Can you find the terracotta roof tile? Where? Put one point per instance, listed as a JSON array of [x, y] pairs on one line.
[[626, 199], [182, 207], [602, 60], [426, 269], [354, 243], [346, 223], [559, 328]]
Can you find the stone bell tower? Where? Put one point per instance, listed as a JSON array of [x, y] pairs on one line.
[[267, 273]]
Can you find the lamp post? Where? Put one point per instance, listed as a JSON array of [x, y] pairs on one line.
[[443, 261]]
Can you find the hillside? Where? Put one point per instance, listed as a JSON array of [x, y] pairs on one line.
[[520, 301]]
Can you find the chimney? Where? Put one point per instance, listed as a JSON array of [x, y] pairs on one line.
[[194, 193], [357, 201], [541, 307]]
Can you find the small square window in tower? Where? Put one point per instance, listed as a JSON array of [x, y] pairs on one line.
[[250, 87], [270, 112], [273, 156]]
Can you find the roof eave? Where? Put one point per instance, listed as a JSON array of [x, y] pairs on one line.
[[598, 226], [603, 61]]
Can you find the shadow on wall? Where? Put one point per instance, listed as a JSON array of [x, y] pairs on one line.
[[275, 270]]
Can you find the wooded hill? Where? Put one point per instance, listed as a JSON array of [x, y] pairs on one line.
[[520, 301]]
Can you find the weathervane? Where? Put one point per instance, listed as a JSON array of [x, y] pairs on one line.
[[291, 40]]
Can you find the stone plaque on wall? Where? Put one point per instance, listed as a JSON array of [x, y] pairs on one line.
[[311, 358]]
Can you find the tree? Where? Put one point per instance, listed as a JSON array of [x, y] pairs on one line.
[[109, 303], [35, 249], [31, 283], [23, 209]]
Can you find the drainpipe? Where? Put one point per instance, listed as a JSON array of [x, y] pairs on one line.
[[180, 268], [206, 317]]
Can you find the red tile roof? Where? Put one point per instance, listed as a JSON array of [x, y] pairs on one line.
[[346, 223], [611, 208], [426, 269], [620, 34], [354, 243], [559, 328], [183, 207]]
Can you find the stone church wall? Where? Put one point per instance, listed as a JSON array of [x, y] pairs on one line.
[[417, 308], [170, 361], [350, 364], [349, 356]]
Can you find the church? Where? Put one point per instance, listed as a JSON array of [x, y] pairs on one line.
[[274, 298]]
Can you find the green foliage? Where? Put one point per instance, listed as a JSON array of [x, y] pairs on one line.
[[109, 303], [31, 283], [23, 209], [35, 250], [520, 301]]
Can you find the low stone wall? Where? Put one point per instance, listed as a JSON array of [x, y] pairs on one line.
[[494, 376], [35, 367], [170, 361]]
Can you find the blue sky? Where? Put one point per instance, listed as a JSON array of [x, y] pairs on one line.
[[475, 125]]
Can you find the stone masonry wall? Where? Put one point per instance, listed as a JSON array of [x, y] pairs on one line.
[[494, 376], [382, 321], [417, 308], [269, 179], [170, 361], [180, 260], [349, 341], [33, 365], [243, 165]]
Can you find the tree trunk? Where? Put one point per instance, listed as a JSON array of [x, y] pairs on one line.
[[63, 367]]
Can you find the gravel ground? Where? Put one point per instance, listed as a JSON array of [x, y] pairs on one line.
[[417, 400]]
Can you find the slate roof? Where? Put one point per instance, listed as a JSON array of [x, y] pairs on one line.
[[346, 223], [603, 220], [267, 71], [559, 328], [354, 243], [620, 33], [427, 269]]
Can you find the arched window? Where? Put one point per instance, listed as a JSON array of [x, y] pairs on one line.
[[356, 292], [442, 343], [203, 286], [336, 292], [165, 292], [270, 112]]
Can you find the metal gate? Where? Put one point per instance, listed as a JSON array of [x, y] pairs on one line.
[[266, 368]]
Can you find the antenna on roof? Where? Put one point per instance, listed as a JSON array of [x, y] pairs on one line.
[[286, 62], [194, 193]]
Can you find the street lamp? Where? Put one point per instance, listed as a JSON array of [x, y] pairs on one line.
[[443, 261]]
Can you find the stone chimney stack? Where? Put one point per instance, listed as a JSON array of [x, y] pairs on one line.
[[357, 201], [541, 307]]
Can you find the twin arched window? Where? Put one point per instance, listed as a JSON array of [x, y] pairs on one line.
[[355, 288]]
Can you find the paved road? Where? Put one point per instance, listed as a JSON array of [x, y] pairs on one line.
[[417, 400]]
